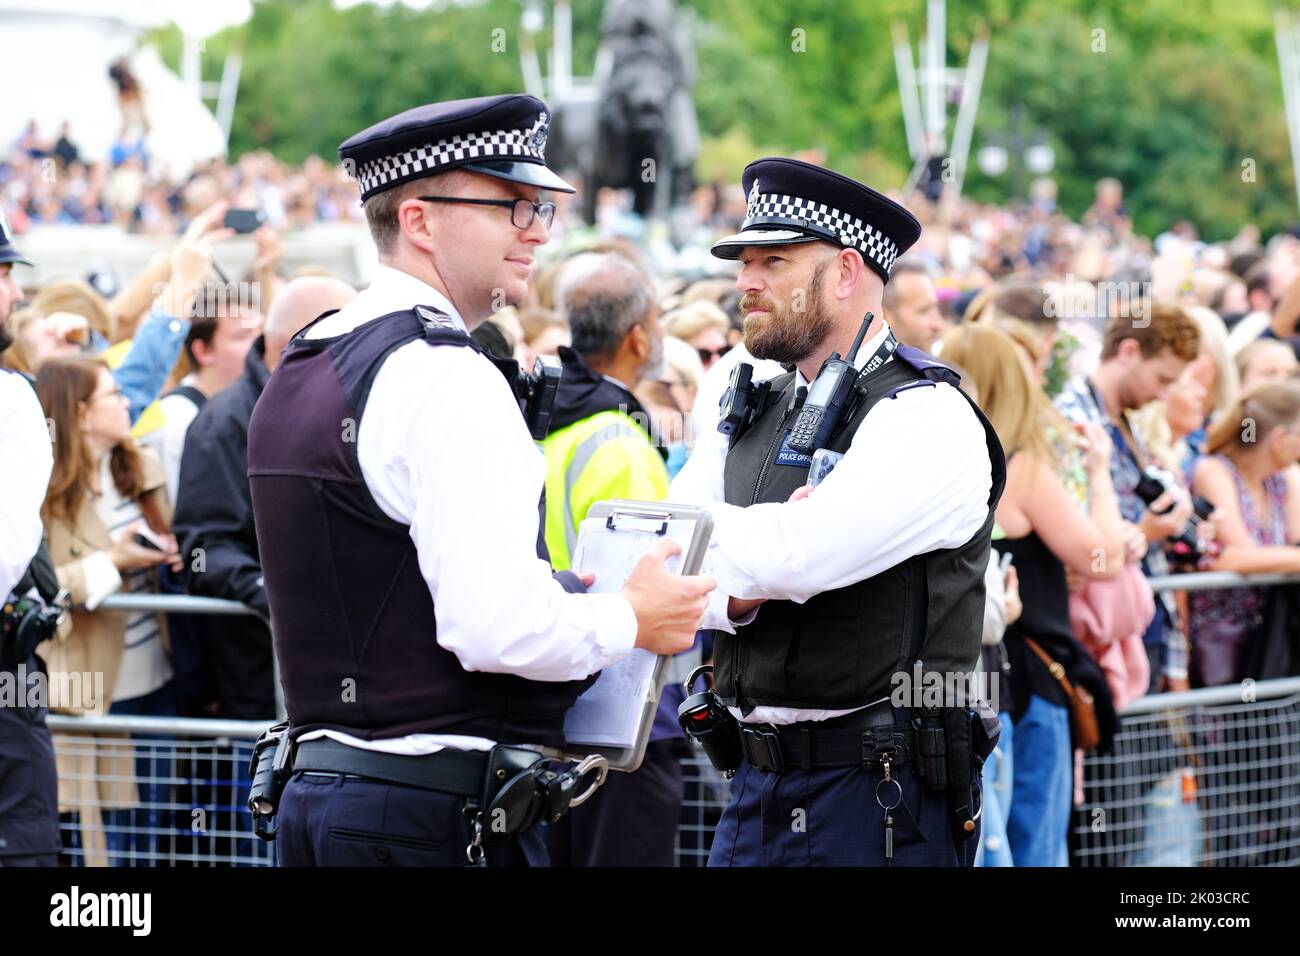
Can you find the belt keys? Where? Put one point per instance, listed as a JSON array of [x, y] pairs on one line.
[[888, 808]]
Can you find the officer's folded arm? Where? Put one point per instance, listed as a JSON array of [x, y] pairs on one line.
[[915, 478], [466, 477]]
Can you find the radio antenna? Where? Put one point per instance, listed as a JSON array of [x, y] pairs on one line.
[[857, 342]]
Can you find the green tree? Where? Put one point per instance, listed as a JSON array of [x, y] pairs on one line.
[[1183, 92]]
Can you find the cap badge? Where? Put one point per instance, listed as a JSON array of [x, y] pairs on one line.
[[537, 134]]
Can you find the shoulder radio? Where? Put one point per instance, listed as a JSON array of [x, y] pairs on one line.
[[832, 393]]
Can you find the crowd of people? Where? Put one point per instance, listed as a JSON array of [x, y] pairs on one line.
[[48, 180], [1145, 391]]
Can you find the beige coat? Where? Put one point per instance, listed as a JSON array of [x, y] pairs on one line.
[[91, 776]]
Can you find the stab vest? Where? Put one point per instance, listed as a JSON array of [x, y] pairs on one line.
[[351, 614], [841, 648]]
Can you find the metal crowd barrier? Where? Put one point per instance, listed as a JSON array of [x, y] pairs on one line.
[[1202, 778], [163, 791]]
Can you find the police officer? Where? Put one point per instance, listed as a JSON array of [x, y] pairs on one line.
[[837, 594], [29, 818], [396, 495]]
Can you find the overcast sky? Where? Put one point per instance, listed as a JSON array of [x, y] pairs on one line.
[[207, 18]]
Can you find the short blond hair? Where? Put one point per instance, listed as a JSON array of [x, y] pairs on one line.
[[690, 320], [381, 208], [684, 360], [708, 290], [79, 298], [15, 357], [1257, 348], [535, 320]]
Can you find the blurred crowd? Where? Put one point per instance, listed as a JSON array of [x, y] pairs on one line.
[[47, 179], [1144, 388]]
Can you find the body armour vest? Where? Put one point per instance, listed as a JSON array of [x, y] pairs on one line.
[[841, 648], [351, 614]]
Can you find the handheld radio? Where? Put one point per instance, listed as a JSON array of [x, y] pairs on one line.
[[828, 399], [742, 402]]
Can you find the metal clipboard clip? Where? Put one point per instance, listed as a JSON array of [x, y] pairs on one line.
[[648, 521]]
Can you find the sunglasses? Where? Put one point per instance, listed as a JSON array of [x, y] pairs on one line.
[[708, 355]]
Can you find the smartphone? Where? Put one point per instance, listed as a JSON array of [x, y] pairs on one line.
[[243, 220], [145, 538], [823, 461], [1005, 563]]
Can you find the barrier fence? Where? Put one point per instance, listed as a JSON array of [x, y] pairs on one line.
[[162, 791], [1203, 778]]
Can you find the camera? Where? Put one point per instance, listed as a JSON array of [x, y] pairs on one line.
[[1185, 547], [536, 391], [28, 621]]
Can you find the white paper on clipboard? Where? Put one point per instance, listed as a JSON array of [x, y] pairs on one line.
[[609, 713]]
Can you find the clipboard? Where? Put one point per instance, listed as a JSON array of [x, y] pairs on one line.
[[614, 716]]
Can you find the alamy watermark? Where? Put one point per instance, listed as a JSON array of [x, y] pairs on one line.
[[919, 688], [79, 690], [213, 298], [1080, 299]]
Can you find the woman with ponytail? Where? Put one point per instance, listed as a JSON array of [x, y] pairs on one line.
[[1250, 475]]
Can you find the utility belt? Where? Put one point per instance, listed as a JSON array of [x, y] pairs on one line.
[[868, 737], [506, 789], [946, 747]]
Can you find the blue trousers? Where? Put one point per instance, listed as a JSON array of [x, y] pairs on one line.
[[1043, 781], [335, 820], [831, 817], [999, 771]]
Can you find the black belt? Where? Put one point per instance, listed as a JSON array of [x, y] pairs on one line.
[[458, 772], [864, 738]]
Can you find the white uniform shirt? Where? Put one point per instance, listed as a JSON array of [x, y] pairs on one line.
[[916, 478], [443, 449], [28, 458]]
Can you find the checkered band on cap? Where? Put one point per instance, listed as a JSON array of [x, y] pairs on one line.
[[431, 157], [850, 230]]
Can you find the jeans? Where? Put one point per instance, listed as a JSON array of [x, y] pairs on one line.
[[995, 848], [1042, 786]]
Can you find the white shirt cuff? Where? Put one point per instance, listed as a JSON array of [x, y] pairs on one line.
[[715, 615], [615, 629], [102, 578]]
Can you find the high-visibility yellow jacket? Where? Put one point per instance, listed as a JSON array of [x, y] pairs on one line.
[[606, 455]]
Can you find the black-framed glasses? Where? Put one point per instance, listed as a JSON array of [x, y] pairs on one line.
[[708, 355], [522, 211]]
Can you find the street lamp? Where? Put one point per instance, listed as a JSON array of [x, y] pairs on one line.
[[1017, 150]]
